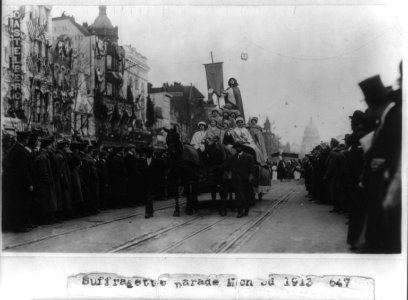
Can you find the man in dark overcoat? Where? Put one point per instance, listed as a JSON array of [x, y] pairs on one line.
[[44, 187], [119, 177], [242, 166], [150, 169], [132, 169], [104, 180], [380, 159], [75, 162], [21, 185], [64, 178]]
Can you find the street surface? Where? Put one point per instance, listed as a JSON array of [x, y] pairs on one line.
[[285, 221]]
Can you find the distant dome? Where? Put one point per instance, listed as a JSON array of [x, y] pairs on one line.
[[311, 130], [311, 138], [102, 21]]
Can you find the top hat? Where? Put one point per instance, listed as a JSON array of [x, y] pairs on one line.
[[374, 90]]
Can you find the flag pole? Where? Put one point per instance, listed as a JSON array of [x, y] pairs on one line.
[[218, 98]]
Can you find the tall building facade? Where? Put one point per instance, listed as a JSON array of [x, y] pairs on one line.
[[26, 68], [311, 138], [74, 57], [135, 84]]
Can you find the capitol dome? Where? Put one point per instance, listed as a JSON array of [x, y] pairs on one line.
[[103, 27], [102, 21], [311, 138]]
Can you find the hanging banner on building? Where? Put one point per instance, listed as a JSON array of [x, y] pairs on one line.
[[16, 59], [214, 78]]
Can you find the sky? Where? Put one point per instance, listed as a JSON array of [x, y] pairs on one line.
[[303, 61]]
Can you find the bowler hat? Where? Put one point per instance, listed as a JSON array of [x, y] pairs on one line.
[[374, 90]]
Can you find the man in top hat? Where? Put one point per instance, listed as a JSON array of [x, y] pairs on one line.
[[21, 185], [198, 138], [241, 165], [382, 158]]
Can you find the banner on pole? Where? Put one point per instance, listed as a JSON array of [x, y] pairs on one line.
[[215, 80]]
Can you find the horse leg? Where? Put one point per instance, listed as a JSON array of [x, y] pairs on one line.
[[224, 197], [176, 199], [189, 199], [194, 193], [177, 207]]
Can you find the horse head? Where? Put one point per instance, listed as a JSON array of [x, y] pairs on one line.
[[174, 145], [214, 150]]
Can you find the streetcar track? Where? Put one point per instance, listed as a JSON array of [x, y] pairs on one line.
[[133, 243], [241, 236], [193, 234], [149, 236], [47, 237]]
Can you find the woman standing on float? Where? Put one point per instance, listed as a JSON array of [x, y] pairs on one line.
[[242, 134]]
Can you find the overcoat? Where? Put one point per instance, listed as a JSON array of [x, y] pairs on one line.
[[21, 174], [44, 188]]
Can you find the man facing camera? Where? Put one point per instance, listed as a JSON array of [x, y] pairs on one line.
[[241, 165]]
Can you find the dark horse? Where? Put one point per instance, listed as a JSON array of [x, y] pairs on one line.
[[216, 154], [185, 165]]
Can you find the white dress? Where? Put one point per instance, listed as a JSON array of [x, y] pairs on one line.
[[243, 135], [198, 139]]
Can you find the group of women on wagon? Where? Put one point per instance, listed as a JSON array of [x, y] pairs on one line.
[[227, 126]]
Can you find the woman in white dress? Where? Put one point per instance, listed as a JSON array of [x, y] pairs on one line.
[[242, 134], [198, 137], [274, 171]]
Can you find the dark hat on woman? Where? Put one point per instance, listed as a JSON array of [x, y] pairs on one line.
[[374, 90]]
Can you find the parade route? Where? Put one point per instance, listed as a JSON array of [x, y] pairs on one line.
[[285, 221]]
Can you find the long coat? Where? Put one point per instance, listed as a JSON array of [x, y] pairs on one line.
[[44, 183], [65, 179], [21, 174], [56, 174], [281, 170], [74, 162], [119, 175]]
